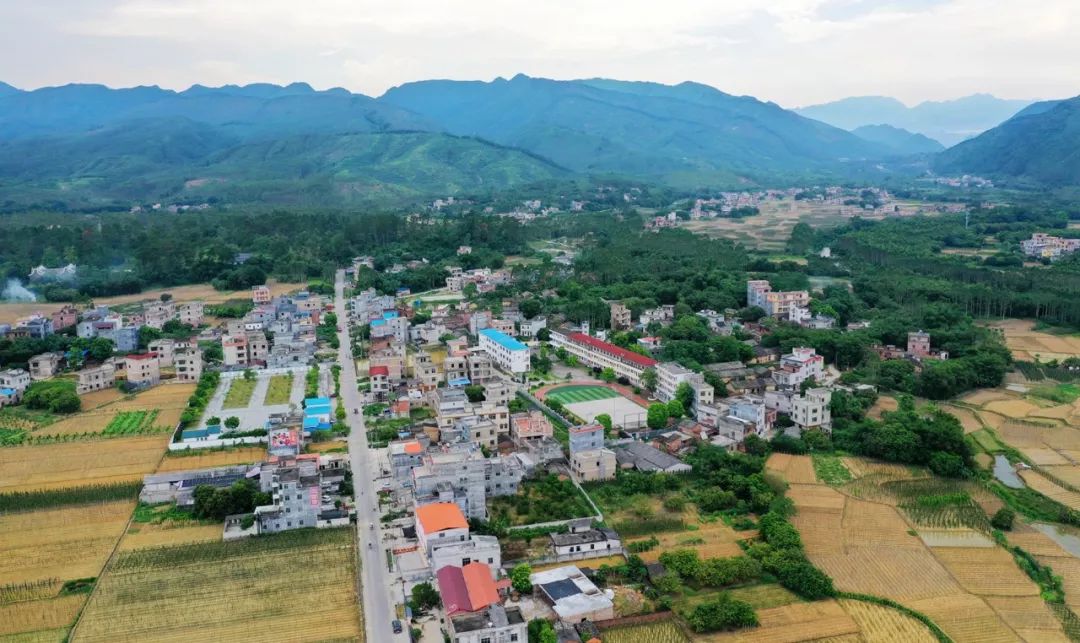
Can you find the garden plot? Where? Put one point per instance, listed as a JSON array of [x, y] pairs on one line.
[[251, 590], [792, 623], [1050, 489], [40, 620], [658, 632]]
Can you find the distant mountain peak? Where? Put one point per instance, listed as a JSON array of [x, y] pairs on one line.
[[8, 90]]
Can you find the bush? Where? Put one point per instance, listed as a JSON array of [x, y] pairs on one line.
[[232, 422], [1003, 519], [805, 580], [724, 613], [56, 396], [519, 578]]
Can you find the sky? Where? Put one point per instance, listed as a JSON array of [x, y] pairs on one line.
[[792, 52]]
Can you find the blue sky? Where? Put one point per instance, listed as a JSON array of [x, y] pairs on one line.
[[793, 52]]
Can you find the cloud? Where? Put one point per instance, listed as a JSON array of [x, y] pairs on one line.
[[789, 51]]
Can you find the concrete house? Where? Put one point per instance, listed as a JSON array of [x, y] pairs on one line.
[[511, 355], [66, 317], [96, 379], [165, 349], [143, 369], [190, 313], [438, 524], [188, 363], [45, 365]]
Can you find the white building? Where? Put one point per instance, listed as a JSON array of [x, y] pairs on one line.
[[477, 549], [669, 375], [775, 304], [798, 366], [573, 596], [510, 354], [596, 353], [811, 409], [439, 524]]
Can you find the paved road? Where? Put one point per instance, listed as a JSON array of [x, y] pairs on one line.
[[377, 583]]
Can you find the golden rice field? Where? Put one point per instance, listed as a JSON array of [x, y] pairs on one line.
[[301, 583], [240, 455], [143, 535], [658, 632], [1029, 617], [709, 539], [50, 466], [68, 543], [1050, 489], [967, 418], [40, 620], [880, 623], [966, 617], [986, 571], [792, 623], [94, 399], [795, 469]]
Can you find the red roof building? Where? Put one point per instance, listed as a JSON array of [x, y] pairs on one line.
[[614, 351], [467, 589], [597, 353]]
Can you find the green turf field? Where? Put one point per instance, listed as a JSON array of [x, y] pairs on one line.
[[574, 394]]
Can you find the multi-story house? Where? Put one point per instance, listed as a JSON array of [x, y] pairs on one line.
[[96, 378], [425, 371], [621, 318], [752, 409], [596, 353], [511, 355], [165, 348], [481, 368], [391, 324], [190, 313], [533, 425], [188, 363], [34, 327], [157, 314], [589, 459], [670, 375], [66, 317], [260, 295], [45, 365], [439, 524], [798, 366], [14, 381], [477, 549], [663, 315], [531, 327], [775, 304], [811, 409], [143, 369]]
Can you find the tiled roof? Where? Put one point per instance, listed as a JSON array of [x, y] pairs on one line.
[[440, 516], [617, 351]]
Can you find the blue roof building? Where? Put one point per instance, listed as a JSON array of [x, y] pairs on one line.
[[510, 354]]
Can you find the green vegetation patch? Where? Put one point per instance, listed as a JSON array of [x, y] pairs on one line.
[[133, 423], [53, 498], [239, 395], [12, 437], [541, 500], [1060, 393], [279, 390], [831, 470]]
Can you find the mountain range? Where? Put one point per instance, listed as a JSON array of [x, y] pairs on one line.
[[947, 122], [92, 146]]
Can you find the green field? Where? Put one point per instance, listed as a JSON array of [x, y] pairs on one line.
[[279, 390], [239, 395], [574, 394]]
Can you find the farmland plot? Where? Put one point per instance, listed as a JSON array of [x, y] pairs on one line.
[[67, 543], [44, 619], [259, 591], [203, 459], [50, 466], [880, 623], [795, 622], [659, 632]]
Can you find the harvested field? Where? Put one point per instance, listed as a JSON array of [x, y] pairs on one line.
[[1044, 457], [796, 469], [50, 466], [46, 619], [816, 496], [259, 591], [860, 467], [11, 311], [965, 618], [1051, 490], [323, 447], [242, 455], [872, 523], [880, 623], [985, 396], [1029, 617], [986, 571], [95, 399], [1011, 408], [1068, 568], [658, 632], [709, 540], [142, 535], [967, 418], [899, 573], [820, 530], [1026, 343], [1068, 473], [883, 404], [1034, 542], [792, 623], [765, 596], [67, 543]]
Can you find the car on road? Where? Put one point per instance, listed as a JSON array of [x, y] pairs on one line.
[[397, 626]]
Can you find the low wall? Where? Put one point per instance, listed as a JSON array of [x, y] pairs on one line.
[[218, 443]]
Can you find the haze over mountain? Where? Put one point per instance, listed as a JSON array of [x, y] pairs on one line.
[[222, 140], [947, 122], [901, 141], [1041, 145]]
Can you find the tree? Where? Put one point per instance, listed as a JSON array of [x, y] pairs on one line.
[[675, 409], [249, 375], [608, 375], [232, 422], [604, 420], [684, 394], [649, 378], [475, 393], [165, 297], [100, 349], [519, 578], [543, 334], [424, 596], [541, 631], [530, 308], [657, 416], [1003, 519]]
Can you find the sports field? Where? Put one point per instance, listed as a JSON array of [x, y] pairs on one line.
[[574, 394], [587, 402]]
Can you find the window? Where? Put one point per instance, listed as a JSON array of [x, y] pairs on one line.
[[513, 637]]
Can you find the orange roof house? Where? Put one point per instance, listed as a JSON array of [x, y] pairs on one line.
[[467, 589], [440, 516]]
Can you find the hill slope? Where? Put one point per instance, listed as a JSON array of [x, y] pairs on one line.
[[634, 128], [181, 160], [948, 121], [1041, 146], [900, 141]]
